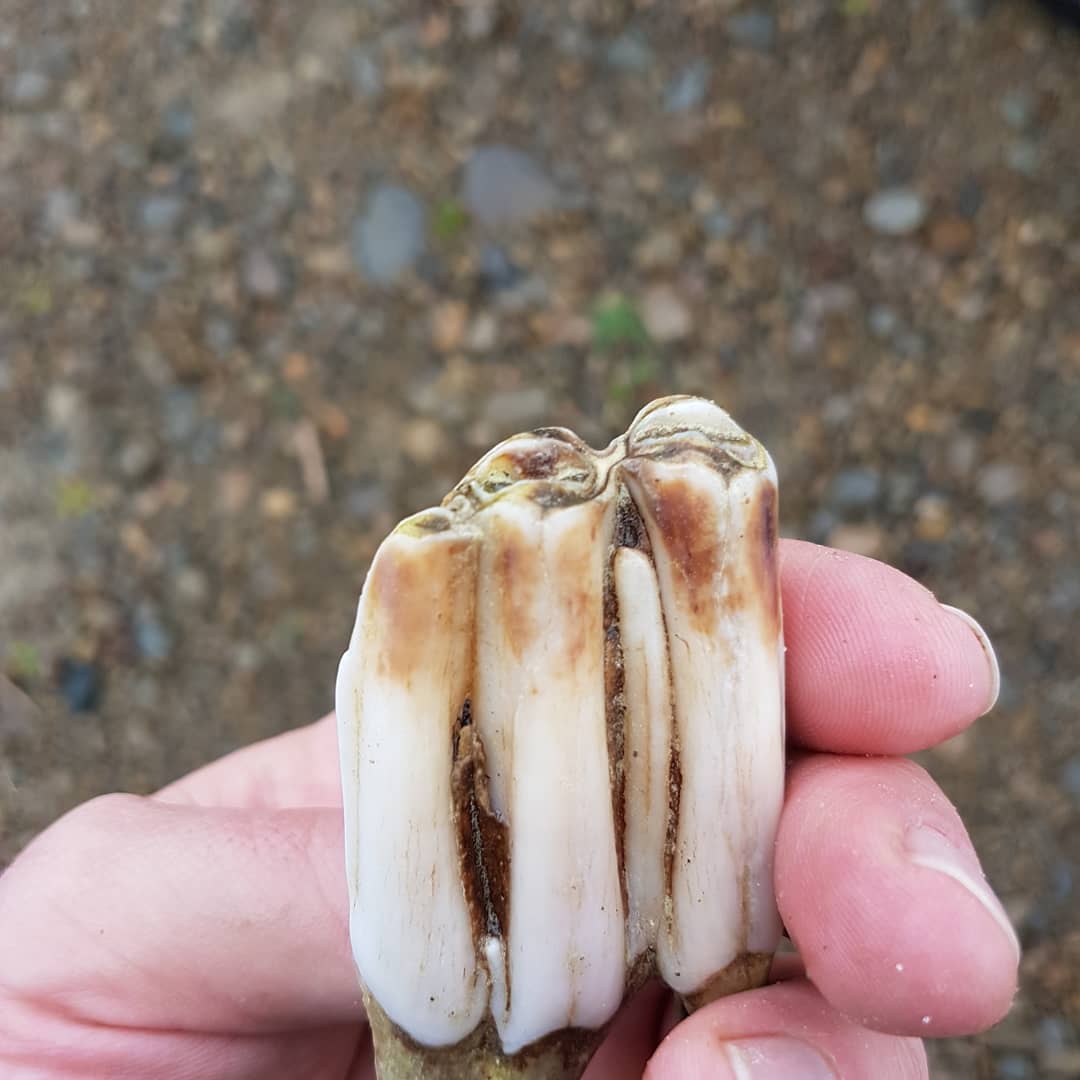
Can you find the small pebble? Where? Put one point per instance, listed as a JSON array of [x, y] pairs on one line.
[[390, 237], [80, 684], [29, 88], [277, 503], [689, 87], [1070, 777], [952, 237], [448, 323], [505, 187], [1024, 156], [1017, 108], [152, 638], [423, 440], [264, 275], [138, 457], [666, 315], [855, 489], [365, 74], [1001, 482], [497, 270], [754, 29], [160, 213], [630, 53], [895, 211]]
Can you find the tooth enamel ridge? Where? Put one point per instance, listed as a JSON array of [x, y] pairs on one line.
[[561, 726]]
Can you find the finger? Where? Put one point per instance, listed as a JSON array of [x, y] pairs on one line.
[[778, 1033], [165, 916], [633, 1036], [297, 768], [875, 665], [882, 893]]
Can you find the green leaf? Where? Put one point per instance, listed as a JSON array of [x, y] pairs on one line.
[[23, 660], [450, 220], [75, 498], [616, 324]]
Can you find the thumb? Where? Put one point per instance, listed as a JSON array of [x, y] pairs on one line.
[[779, 1032]]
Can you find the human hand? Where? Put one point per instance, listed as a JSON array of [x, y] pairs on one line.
[[203, 931]]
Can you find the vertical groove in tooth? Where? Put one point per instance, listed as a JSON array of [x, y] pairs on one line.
[[401, 687], [711, 523], [565, 948], [648, 744]]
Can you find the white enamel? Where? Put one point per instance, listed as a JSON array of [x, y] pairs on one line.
[[410, 929], [565, 949], [647, 757]]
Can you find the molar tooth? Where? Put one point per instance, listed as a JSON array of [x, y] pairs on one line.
[[401, 687]]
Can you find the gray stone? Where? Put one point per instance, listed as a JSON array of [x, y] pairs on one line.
[[497, 269], [1070, 777], [62, 207], [1024, 156], [754, 29], [1017, 108], [365, 74], [176, 128], [630, 52], [180, 408], [392, 234], [138, 459], [505, 187], [883, 321], [365, 500], [29, 88], [219, 334], [895, 211], [1001, 482], [153, 639], [160, 213], [855, 489], [689, 87], [264, 274], [718, 224]]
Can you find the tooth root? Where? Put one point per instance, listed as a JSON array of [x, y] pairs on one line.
[[565, 950], [710, 518], [401, 687], [647, 757]]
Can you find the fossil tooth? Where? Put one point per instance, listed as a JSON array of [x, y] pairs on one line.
[[561, 726]]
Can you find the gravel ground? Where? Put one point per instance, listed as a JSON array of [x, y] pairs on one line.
[[274, 275]]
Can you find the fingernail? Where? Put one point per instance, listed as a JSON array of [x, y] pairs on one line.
[[988, 652], [776, 1057], [932, 849]]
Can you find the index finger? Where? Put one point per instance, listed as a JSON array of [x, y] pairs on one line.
[[875, 665]]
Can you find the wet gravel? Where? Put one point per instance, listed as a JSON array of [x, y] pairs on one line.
[[273, 275]]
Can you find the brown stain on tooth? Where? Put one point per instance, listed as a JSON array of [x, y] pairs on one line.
[[483, 840], [685, 521], [515, 582], [413, 589], [574, 577]]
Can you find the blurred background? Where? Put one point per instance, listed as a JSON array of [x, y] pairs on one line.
[[273, 275]]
